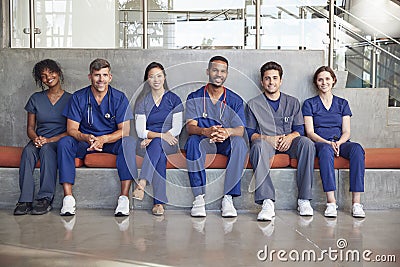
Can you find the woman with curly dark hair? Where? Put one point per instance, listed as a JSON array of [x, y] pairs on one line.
[[45, 126]]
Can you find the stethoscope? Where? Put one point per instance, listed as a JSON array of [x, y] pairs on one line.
[[108, 115], [223, 102]]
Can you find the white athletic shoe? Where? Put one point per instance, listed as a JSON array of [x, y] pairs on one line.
[[358, 211], [123, 207], [304, 207], [68, 207], [199, 207], [228, 210], [331, 210], [267, 211]]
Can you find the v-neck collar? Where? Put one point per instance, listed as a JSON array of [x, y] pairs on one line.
[[48, 99], [322, 103]]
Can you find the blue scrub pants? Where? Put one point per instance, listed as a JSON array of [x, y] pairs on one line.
[[196, 149], [349, 150], [154, 167], [48, 171], [261, 152], [69, 149]]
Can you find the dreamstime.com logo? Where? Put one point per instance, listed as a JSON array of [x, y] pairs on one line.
[[340, 254]]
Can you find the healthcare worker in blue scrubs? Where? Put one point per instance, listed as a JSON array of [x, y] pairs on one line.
[[215, 123], [327, 123], [46, 125], [98, 120], [275, 125], [158, 114]]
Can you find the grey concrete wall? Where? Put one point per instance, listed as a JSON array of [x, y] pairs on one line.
[[185, 73]]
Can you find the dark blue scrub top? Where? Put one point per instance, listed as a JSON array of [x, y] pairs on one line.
[[49, 119], [229, 114], [159, 119], [93, 120], [327, 123]]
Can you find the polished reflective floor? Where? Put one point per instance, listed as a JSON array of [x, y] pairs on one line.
[[97, 238]]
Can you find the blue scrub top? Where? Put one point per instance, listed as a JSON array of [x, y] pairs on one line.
[[159, 119], [93, 120], [327, 123], [49, 119], [229, 114]]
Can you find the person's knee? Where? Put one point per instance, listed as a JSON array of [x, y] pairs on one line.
[[357, 150], [305, 143], [193, 142], [47, 150], [238, 143], [65, 142], [262, 147]]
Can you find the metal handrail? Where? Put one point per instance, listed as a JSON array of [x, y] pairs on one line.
[[357, 34], [369, 25]]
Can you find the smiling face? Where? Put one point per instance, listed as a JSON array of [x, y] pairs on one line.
[[50, 78], [156, 78], [100, 79], [271, 82], [217, 73], [324, 82]]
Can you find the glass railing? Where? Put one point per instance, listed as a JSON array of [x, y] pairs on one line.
[[363, 48]]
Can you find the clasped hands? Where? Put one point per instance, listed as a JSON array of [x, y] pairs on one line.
[[96, 142], [217, 133], [40, 141], [281, 143]]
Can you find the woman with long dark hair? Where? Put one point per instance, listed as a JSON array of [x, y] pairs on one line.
[[158, 114]]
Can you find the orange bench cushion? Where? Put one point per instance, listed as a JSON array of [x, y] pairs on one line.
[[10, 156], [176, 161], [375, 158]]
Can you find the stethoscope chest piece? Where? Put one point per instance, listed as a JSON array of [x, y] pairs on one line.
[[107, 115], [205, 115]]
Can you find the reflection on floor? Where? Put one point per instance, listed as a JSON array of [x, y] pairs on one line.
[[97, 238]]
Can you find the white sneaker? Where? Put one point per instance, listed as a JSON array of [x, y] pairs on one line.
[[199, 207], [331, 210], [304, 207], [267, 211], [123, 207], [358, 211], [68, 207], [228, 210]]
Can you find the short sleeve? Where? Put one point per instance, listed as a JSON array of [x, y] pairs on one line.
[[346, 109], [139, 109], [307, 108], [72, 110], [251, 122], [297, 114], [191, 108], [123, 111], [177, 103], [31, 105]]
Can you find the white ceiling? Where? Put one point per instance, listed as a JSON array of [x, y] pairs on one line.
[[383, 16]]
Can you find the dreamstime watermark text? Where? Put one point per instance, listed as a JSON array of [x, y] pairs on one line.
[[338, 254]]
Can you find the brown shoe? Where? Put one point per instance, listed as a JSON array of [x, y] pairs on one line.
[[138, 193], [158, 210]]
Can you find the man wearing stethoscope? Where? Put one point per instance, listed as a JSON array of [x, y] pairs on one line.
[[215, 124], [98, 120]]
